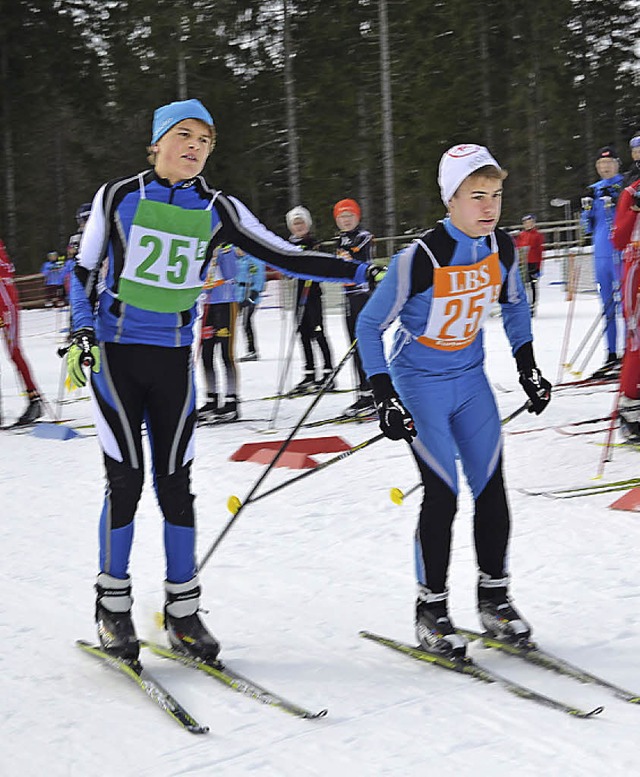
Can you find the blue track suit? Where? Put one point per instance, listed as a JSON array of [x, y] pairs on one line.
[[599, 222], [436, 365], [146, 373], [250, 283], [251, 278]]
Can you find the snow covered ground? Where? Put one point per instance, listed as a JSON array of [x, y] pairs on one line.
[[296, 579]]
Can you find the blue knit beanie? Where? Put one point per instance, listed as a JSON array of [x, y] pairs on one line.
[[168, 116]]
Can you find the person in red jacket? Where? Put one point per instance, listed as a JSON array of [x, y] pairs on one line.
[[10, 325], [626, 238], [529, 243]]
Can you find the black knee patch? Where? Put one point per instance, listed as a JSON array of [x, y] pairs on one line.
[[124, 486], [175, 497]]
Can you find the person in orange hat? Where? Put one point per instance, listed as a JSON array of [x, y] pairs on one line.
[[354, 242]]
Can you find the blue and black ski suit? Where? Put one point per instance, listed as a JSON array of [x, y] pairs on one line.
[[133, 249], [439, 290]]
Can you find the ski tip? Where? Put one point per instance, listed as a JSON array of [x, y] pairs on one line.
[[316, 715], [196, 729], [592, 713]]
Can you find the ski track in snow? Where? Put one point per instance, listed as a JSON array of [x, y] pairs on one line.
[[296, 579]]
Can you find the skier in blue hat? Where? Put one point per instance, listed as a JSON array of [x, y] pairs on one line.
[[149, 240]]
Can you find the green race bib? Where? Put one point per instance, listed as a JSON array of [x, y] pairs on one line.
[[165, 252]]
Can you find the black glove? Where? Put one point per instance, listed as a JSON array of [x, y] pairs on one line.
[[538, 390], [251, 300], [396, 422]]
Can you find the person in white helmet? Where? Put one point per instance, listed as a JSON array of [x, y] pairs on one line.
[[433, 391], [309, 310]]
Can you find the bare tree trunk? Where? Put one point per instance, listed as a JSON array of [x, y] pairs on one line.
[[388, 165], [182, 75], [183, 39], [60, 203], [364, 188], [11, 236], [541, 134], [293, 166], [485, 73], [533, 142]]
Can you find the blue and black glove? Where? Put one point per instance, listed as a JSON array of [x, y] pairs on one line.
[[537, 388], [83, 352], [395, 420]]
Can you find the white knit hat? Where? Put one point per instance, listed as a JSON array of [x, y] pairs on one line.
[[299, 212], [458, 163]]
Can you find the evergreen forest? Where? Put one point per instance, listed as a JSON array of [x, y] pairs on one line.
[[314, 100]]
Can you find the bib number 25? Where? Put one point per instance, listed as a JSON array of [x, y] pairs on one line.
[[467, 311], [177, 262]]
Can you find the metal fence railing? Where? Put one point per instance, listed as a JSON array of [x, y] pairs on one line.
[[564, 240]]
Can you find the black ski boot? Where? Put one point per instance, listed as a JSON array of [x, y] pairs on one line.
[[307, 385], [610, 369], [434, 630], [629, 414], [363, 406], [113, 617], [33, 411], [228, 412], [497, 614], [252, 356], [210, 407], [186, 632]]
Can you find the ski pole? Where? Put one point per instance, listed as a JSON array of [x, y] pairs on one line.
[[569, 364], [608, 310], [276, 458], [575, 275], [299, 313], [580, 371], [398, 496], [234, 504], [608, 447], [516, 413]]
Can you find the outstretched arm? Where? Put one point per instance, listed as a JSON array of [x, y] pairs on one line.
[[239, 226]]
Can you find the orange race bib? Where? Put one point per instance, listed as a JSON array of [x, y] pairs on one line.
[[462, 299]]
